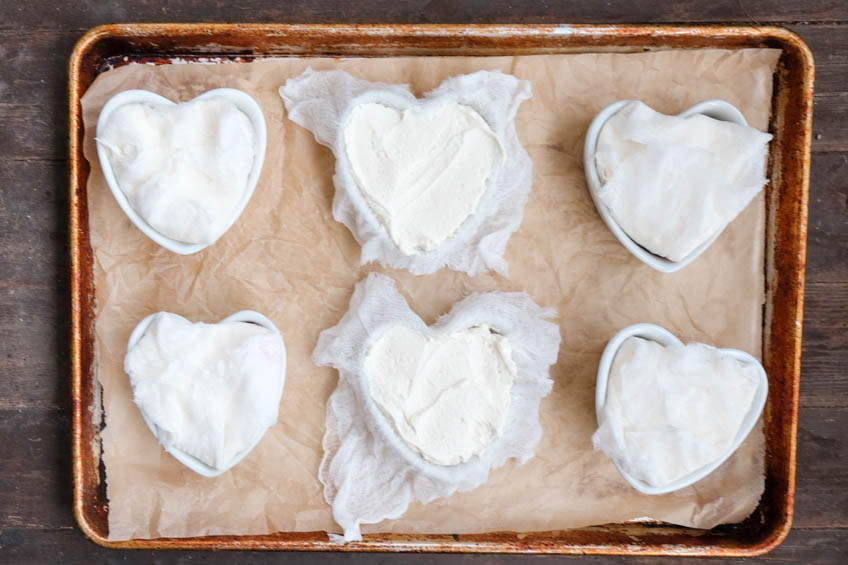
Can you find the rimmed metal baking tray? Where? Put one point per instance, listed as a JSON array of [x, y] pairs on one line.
[[108, 46]]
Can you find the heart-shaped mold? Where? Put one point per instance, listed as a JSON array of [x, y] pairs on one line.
[[193, 463], [716, 109], [665, 338], [244, 102]]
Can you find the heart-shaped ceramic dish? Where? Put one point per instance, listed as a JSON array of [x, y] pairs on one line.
[[665, 338], [190, 461], [716, 109], [244, 102]]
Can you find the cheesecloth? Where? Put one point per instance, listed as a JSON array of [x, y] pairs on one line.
[[368, 472]]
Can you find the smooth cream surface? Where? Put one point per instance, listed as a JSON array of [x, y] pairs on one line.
[[211, 389], [184, 168], [671, 183], [422, 170], [671, 410], [447, 396]]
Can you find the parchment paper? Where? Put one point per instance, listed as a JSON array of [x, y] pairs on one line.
[[287, 258]]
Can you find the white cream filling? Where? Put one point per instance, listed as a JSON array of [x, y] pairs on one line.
[[447, 396], [671, 410], [211, 389], [671, 183], [183, 168], [422, 170]]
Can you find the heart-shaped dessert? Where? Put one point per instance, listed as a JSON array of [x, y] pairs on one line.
[[421, 183], [447, 395], [183, 173], [208, 392], [422, 169], [669, 414], [701, 168]]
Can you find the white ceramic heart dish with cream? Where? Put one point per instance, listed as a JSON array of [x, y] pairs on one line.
[[669, 414], [422, 183], [666, 186], [422, 411], [182, 173], [208, 392]]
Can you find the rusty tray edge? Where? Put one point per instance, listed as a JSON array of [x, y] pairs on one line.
[[785, 262]]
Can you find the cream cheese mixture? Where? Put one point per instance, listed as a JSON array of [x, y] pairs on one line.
[[211, 389], [671, 410], [671, 183], [447, 396], [422, 170], [184, 168]]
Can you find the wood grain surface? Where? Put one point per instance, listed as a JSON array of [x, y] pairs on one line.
[[36, 36]]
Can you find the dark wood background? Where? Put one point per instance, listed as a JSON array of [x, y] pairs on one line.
[[36, 37]]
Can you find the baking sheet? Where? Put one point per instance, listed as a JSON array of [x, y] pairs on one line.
[[287, 258]]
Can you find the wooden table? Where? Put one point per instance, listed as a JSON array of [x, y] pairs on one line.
[[36, 36]]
